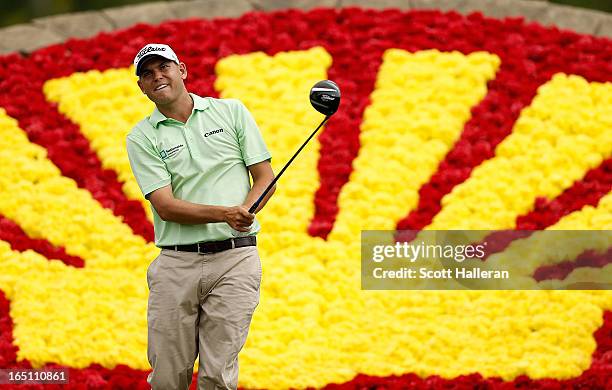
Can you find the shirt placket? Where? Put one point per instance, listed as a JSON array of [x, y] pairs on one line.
[[189, 140]]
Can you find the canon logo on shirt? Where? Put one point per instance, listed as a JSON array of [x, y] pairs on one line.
[[213, 132]]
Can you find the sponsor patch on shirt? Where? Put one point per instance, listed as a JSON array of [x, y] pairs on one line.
[[171, 152]]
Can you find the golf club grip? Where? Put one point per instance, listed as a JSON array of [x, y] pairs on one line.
[[263, 195]]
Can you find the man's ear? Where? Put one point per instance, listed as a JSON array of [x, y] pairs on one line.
[[183, 70], [140, 85]]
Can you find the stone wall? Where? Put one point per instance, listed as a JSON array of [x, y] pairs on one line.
[[45, 31]]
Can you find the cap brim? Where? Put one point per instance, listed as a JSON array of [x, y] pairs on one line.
[[148, 58]]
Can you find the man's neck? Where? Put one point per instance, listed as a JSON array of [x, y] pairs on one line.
[[180, 109]]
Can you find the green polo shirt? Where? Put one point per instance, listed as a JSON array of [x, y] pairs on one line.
[[205, 160]]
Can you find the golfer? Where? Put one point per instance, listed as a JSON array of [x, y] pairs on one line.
[[192, 158]]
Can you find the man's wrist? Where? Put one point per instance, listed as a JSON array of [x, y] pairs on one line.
[[212, 214], [221, 213]]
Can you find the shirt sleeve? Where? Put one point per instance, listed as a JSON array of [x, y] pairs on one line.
[[252, 145], [147, 166]]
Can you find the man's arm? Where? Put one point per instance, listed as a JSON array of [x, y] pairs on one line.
[[255, 154], [262, 176], [176, 210], [154, 181]]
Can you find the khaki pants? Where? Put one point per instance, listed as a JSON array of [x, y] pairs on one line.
[[200, 303]]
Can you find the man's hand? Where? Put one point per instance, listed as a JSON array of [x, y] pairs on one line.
[[239, 218]]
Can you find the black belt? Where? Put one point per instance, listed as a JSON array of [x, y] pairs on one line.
[[214, 246]]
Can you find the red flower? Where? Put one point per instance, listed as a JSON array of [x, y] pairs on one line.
[[356, 38]]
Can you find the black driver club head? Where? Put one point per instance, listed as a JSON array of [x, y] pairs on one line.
[[325, 97]]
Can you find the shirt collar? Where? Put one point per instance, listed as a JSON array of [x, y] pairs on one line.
[[199, 103]]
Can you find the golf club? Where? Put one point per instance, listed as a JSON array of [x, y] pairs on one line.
[[325, 98]]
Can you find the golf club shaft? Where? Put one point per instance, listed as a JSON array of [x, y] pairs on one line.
[[263, 195]]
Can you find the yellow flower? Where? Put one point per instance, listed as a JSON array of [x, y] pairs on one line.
[[545, 140], [314, 324]]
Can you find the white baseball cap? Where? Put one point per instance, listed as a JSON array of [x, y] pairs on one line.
[[154, 49]]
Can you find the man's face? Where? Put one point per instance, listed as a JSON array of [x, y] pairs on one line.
[[162, 80]]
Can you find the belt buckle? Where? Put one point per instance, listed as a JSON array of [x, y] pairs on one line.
[[233, 243]]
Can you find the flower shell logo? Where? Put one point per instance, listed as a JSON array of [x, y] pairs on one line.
[[447, 122]]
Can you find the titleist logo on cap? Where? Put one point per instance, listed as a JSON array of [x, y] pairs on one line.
[[148, 50]]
